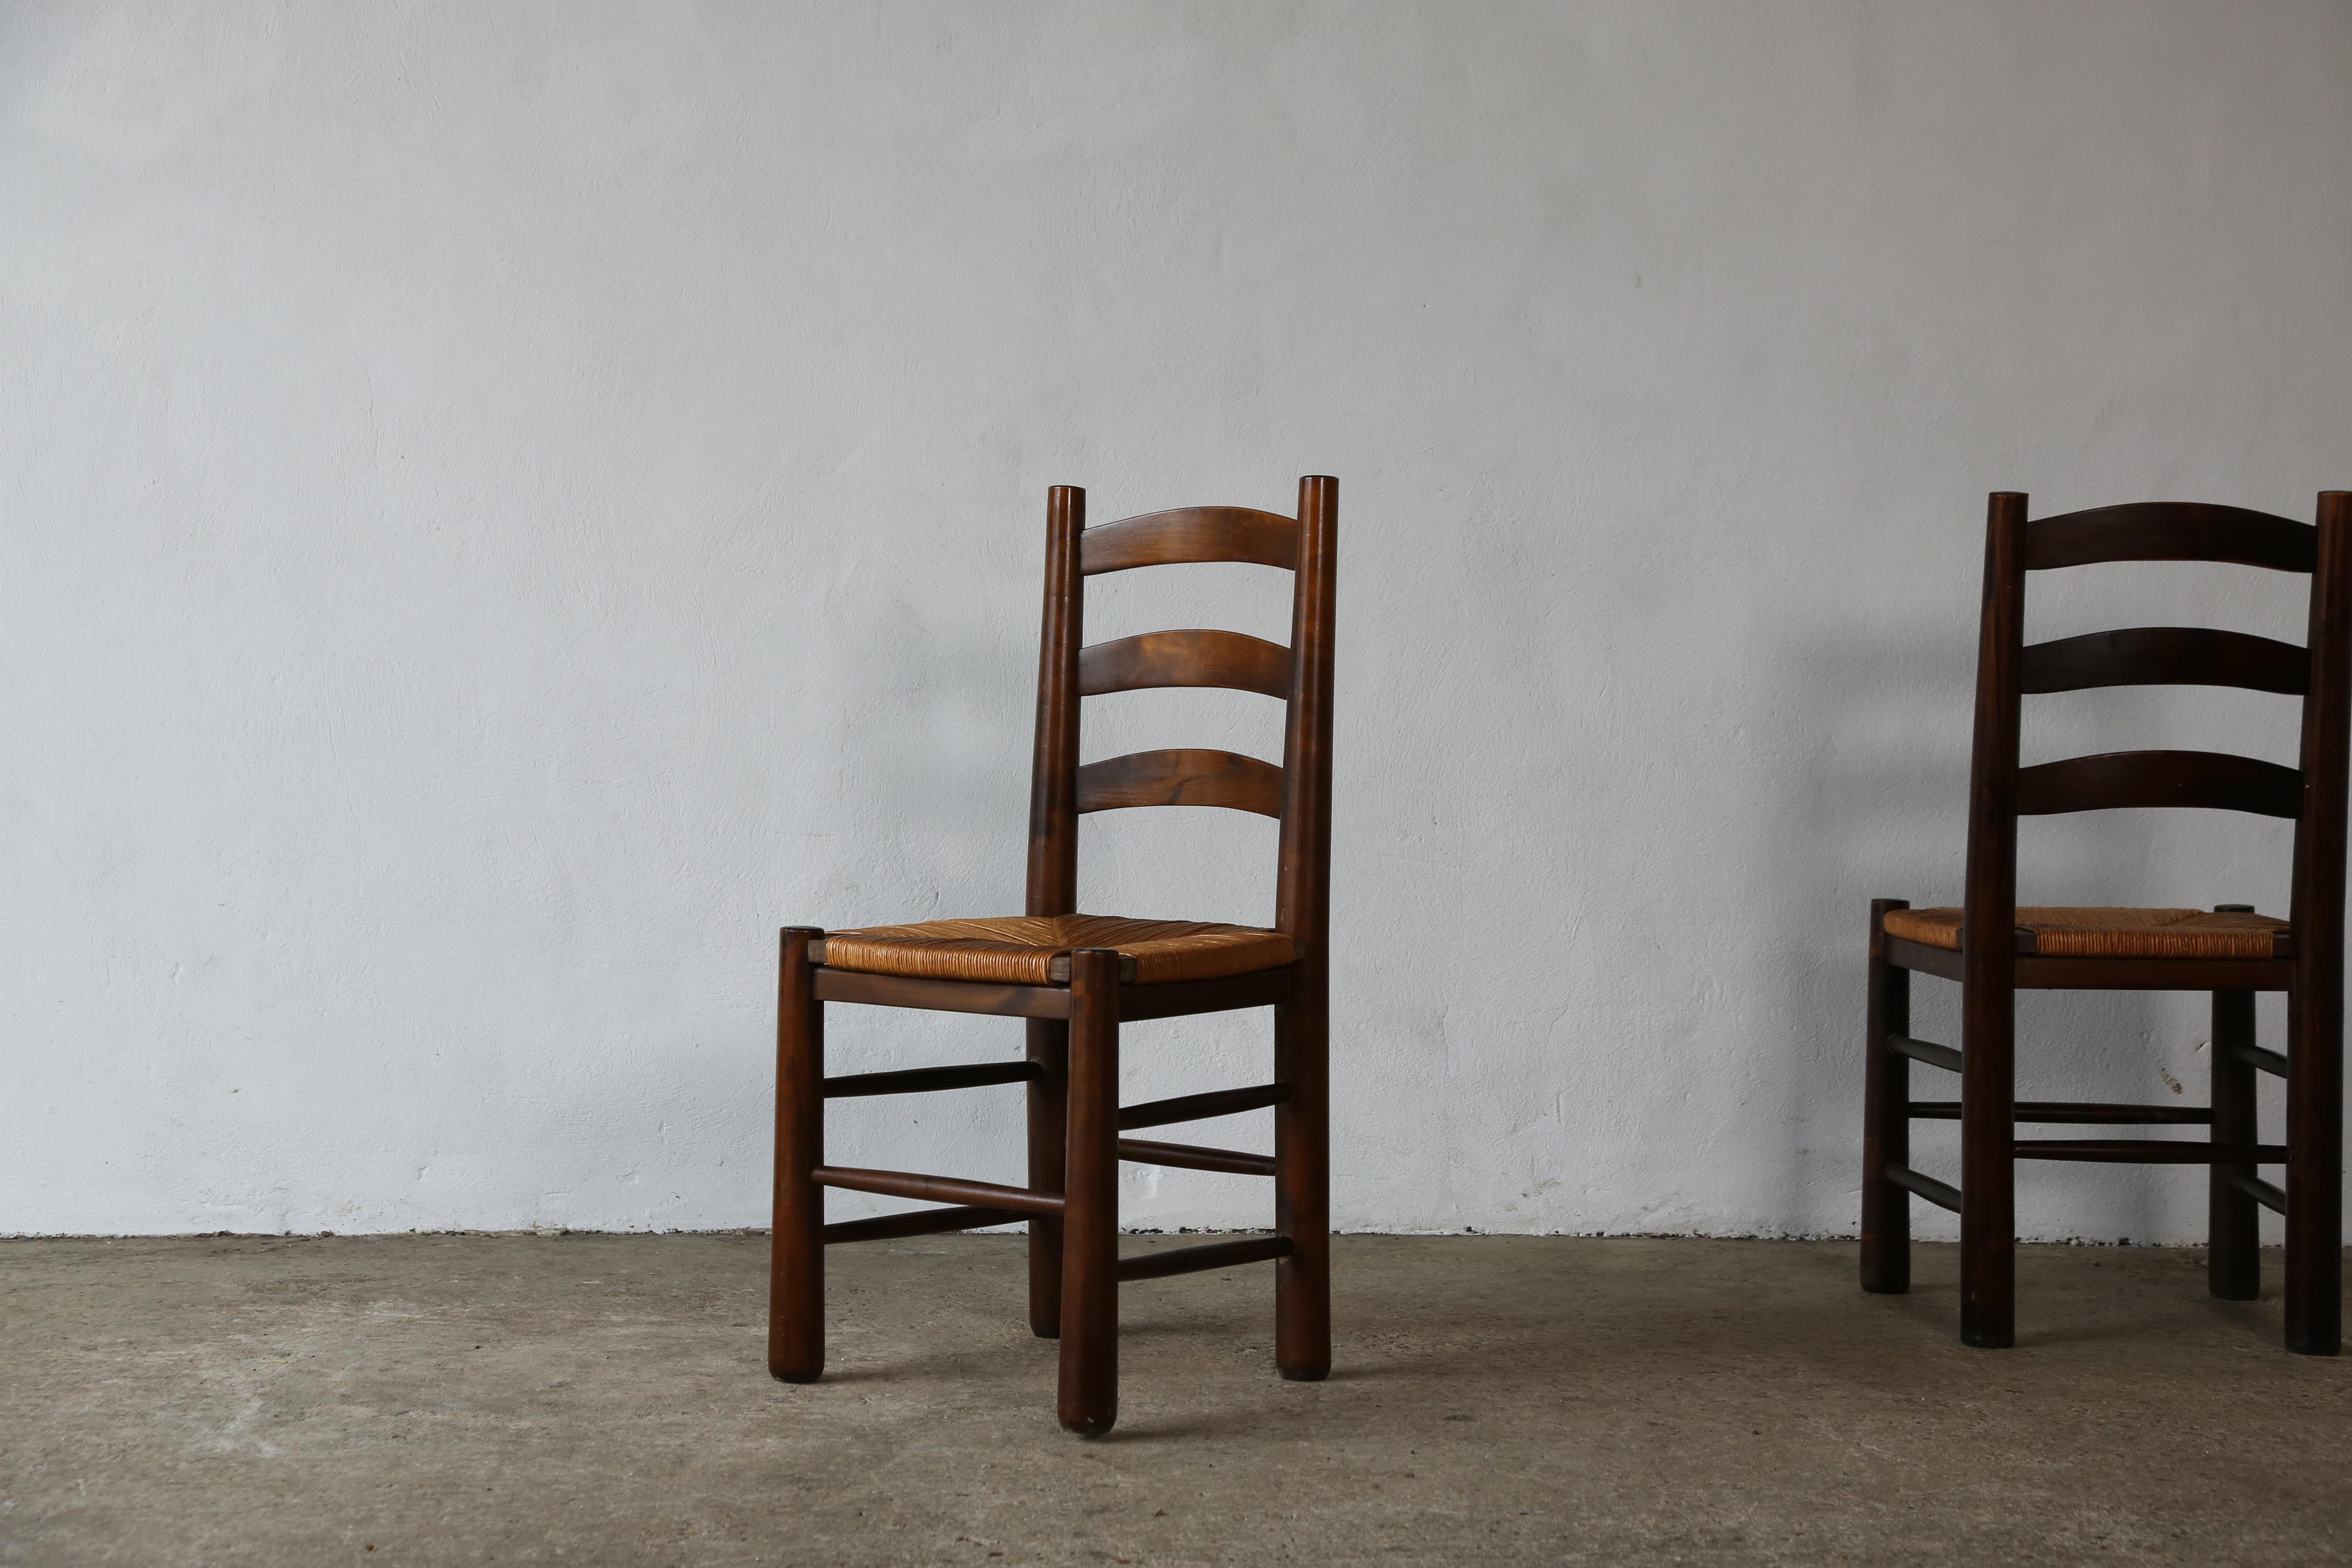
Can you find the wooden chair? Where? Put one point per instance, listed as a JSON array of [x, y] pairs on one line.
[[1992, 947], [1076, 978]]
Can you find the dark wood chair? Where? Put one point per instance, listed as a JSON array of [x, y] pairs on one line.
[[1076, 978], [1992, 947]]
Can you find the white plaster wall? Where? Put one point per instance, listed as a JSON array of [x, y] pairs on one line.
[[503, 506]]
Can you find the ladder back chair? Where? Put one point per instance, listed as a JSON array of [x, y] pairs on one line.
[[1077, 977], [1992, 947]]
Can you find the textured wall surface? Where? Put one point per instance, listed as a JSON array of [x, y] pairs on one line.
[[502, 507]]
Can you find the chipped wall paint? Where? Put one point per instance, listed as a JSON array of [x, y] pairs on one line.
[[506, 506]]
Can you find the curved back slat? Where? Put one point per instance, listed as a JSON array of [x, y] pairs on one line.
[[2171, 531], [2165, 656], [1195, 658], [2118, 779], [1188, 534], [1184, 778]]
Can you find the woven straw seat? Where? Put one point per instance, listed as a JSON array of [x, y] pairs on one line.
[[1034, 950], [2070, 933]]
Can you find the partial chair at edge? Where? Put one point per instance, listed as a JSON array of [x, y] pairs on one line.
[[1993, 948], [1076, 978]]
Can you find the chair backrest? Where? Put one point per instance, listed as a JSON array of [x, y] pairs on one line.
[[2312, 793], [1299, 793]]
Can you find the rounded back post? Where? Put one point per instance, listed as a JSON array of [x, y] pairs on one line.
[[1303, 888], [2317, 914], [1989, 912], [1053, 775]]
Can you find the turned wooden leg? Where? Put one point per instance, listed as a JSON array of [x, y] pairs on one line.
[[1049, 1048], [796, 1248], [1885, 1117], [2234, 1258], [1988, 1168], [1089, 1383], [1302, 1154], [2315, 1175]]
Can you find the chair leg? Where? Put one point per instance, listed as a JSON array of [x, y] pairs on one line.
[[1885, 1117], [1089, 1381], [2315, 1175], [1302, 1155], [2234, 1259], [1049, 1048], [1987, 1167], [796, 1246]]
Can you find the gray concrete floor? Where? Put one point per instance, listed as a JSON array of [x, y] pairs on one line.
[[601, 1399]]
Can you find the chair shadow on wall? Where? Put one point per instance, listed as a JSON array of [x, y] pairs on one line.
[[1878, 809], [930, 764]]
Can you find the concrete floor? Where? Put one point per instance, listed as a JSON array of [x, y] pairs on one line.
[[601, 1399]]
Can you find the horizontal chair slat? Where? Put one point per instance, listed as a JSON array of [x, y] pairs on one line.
[[936, 1189], [2166, 655], [1166, 999], [2171, 531], [1935, 1056], [1184, 776], [918, 1222], [2080, 1112], [2150, 1151], [2108, 973], [1191, 533], [2117, 779], [1194, 1259], [2270, 1198], [2257, 1056], [1177, 998], [1201, 1107], [1197, 657], [1189, 1157], [1941, 1193], [2154, 974], [1135, 1000], [941, 996], [924, 1080], [1905, 954]]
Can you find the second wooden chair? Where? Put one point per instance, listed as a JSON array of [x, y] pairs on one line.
[[1994, 947]]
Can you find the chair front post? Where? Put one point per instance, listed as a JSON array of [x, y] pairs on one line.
[[2315, 1087], [1302, 1201], [2234, 1259], [1048, 1109], [796, 1242], [1988, 950], [2314, 1258], [1885, 1117], [1089, 1370]]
